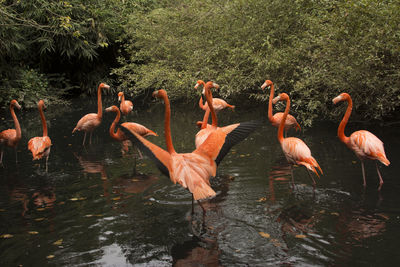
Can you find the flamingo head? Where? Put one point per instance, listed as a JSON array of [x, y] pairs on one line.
[[159, 93], [208, 86], [15, 104], [41, 104], [280, 97], [105, 86], [341, 97], [198, 83], [267, 83], [112, 108], [120, 94]]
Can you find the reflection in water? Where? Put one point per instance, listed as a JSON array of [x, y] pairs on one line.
[[134, 184], [90, 164]]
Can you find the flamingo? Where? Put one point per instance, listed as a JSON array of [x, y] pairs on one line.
[[295, 150], [191, 170], [218, 103], [277, 117], [126, 105], [132, 126], [11, 137], [364, 144], [40, 146], [92, 120]]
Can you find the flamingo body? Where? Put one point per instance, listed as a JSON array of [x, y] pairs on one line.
[[91, 121], [126, 106], [364, 144], [11, 137], [276, 119]]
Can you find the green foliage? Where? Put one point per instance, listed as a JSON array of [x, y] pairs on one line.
[[311, 49]]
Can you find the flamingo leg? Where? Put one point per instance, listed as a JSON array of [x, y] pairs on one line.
[[380, 176], [312, 178], [47, 158], [291, 172], [1, 157], [84, 139], [140, 154], [204, 210], [192, 205], [90, 138], [363, 173], [16, 159]]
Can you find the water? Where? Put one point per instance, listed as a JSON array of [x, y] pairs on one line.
[[94, 208]]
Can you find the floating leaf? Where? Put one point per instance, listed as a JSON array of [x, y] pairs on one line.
[[61, 203], [88, 215], [6, 236], [82, 198], [335, 213], [384, 216], [264, 234], [135, 180], [116, 198], [58, 242], [40, 219], [354, 162], [300, 236], [50, 257], [1, 210], [73, 199], [242, 156], [322, 211], [262, 199], [276, 243], [33, 232], [40, 209]]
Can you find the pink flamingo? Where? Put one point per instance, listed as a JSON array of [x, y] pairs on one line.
[[11, 137], [126, 106], [364, 144], [295, 150], [218, 103], [92, 120], [190, 170], [132, 126], [277, 117], [40, 146]]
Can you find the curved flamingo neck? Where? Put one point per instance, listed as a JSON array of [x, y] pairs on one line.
[[209, 99], [16, 122], [167, 125], [201, 102], [43, 119], [282, 124], [99, 103], [271, 96], [114, 123], [344, 121]]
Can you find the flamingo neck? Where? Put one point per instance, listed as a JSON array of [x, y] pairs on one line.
[[209, 98], [201, 102], [113, 124], [167, 125], [43, 119], [282, 124], [205, 119], [344, 121], [123, 101], [271, 96], [99, 104], [16, 122]]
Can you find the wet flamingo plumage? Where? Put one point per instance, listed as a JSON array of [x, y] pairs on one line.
[[364, 144]]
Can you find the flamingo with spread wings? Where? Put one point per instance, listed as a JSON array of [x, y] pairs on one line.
[[364, 144], [40, 145], [91, 121], [190, 170], [11, 137], [295, 150]]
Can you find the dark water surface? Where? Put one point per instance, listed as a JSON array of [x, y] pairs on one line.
[[94, 208]]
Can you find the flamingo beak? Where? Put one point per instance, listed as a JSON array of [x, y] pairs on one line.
[[154, 94], [17, 106], [263, 86], [108, 109], [337, 99], [119, 98], [197, 85], [106, 86], [216, 86], [276, 99]]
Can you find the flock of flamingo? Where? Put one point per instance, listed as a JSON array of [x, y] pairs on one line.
[[194, 170]]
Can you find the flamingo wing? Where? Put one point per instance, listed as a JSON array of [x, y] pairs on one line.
[[138, 128], [366, 145], [9, 137], [87, 122], [39, 146], [159, 156], [219, 142]]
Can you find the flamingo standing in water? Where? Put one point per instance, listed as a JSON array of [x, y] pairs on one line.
[[40, 146], [132, 126], [277, 117], [364, 144], [295, 150], [11, 137], [126, 106], [190, 170], [218, 103], [92, 120]]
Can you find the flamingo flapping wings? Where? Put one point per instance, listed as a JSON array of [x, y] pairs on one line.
[[364, 144]]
